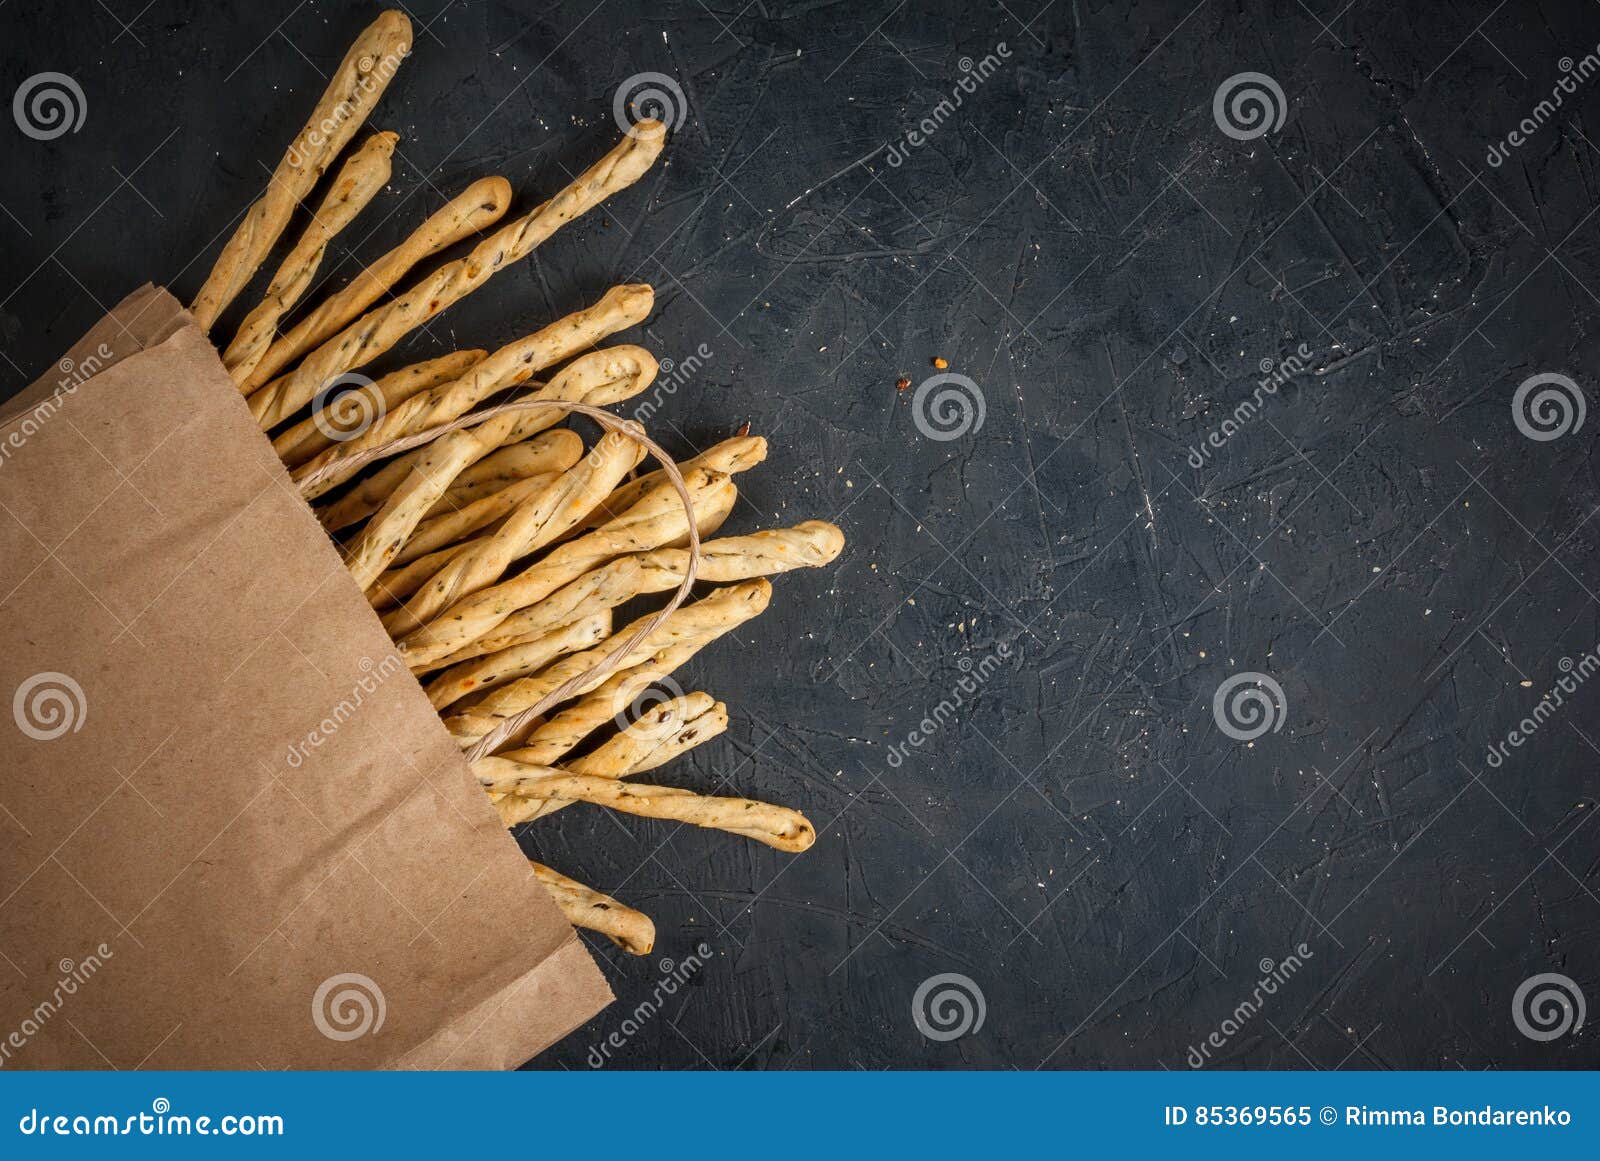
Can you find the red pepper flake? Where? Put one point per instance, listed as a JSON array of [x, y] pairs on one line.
[[940, 362], [903, 383], [744, 428]]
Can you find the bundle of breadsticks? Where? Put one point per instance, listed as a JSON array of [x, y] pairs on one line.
[[495, 546]]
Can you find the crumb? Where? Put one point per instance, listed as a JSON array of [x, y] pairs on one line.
[[902, 383], [940, 362]]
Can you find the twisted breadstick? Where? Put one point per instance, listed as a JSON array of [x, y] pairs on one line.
[[500, 469], [378, 330], [776, 826], [481, 204], [587, 908], [810, 544], [623, 306], [584, 633], [683, 634], [356, 85], [656, 520], [372, 551], [662, 734], [599, 379], [730, 457], [353, 411], [451, 525], [356, 184], [535, 523]]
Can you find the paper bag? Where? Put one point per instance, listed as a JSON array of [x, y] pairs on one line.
[[236, 834]]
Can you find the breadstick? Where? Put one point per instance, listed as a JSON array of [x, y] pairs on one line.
[[587, 908], [730, 457], [657, 520], [356, 184], [366, 496], [683, 634], [357, 83], [621, 307], [379, 329], [481, 204], [600, 588], [810, 544], [372, 551], [511, 664], [776, 826], [347, 415], [535, 523], [453, 524], [506, 466], [394, 586], [664, 733]]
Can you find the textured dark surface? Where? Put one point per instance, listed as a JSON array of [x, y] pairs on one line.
[[1083, 241]]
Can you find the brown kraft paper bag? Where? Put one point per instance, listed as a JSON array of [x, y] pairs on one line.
[[236, 834]]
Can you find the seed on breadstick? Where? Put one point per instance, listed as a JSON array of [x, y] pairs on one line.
[[456, 523], [354, 186], [533, 524], [656, 520], [383, 326], [353, 411], [480, 205], [454, 684], [516, 363], [370, 553], [591, 910], [730, 457], [689, 629], [810, 544], [776, 826], [356, 85], [557, 451]]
